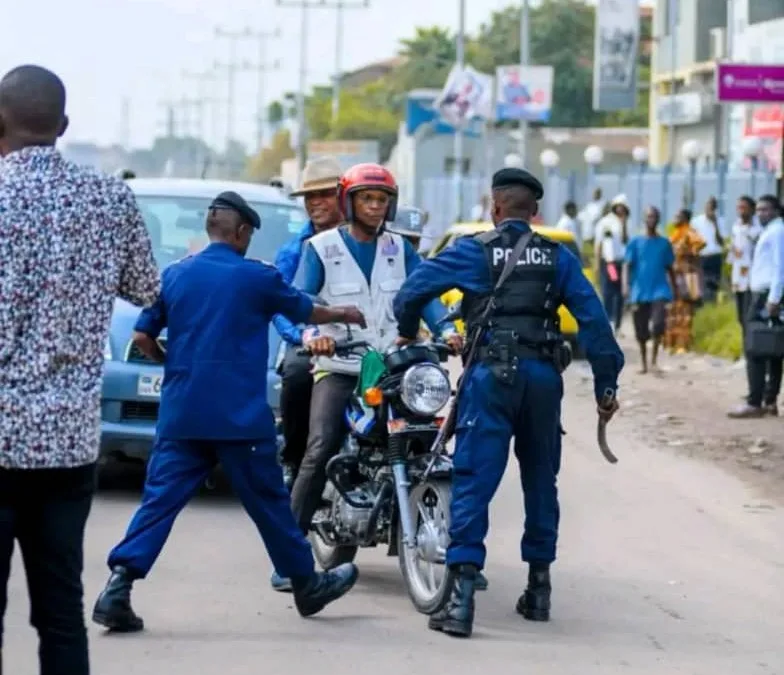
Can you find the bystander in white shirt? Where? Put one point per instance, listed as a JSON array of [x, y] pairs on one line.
[[707, 230], [589, 217], [609, 238], [741, 253], [767, 268], [572, 225]]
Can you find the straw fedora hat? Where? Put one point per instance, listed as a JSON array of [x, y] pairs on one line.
[[322, 173]]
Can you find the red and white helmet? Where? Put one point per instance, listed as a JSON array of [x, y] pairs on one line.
[[367, 177]]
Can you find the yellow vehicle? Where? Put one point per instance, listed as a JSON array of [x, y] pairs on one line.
[[458, 230]]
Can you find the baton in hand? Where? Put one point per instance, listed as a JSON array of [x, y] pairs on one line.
[[601, 428]]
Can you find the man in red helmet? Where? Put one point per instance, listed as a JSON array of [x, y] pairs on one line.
[[359, 263]]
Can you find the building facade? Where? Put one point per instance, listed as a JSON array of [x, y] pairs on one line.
[[690, 38]]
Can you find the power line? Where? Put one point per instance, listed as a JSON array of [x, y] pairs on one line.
[[305, 5], [233, 66], [202, 102]]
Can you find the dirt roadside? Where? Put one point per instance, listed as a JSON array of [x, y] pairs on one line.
[[685, 410]]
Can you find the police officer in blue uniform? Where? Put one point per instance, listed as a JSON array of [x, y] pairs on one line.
[[217, 307], [513, 388]]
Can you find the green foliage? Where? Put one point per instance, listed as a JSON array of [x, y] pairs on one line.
[[562, 35], [267, 163], [716, 331]]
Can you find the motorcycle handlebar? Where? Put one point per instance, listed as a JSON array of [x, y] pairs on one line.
[[340, 347]]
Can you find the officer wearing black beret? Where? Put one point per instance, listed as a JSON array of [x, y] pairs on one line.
[[217, 307], [513, 282]]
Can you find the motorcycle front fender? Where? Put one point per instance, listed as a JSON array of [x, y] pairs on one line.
[[442, 468]]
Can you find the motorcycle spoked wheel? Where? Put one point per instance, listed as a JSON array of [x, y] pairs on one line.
[[424, 569]]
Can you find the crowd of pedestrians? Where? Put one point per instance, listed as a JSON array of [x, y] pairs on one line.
[[665, 277]]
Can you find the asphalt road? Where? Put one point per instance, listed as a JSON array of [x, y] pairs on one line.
[[666, 566]]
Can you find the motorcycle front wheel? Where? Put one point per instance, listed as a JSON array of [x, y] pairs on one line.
[[329, 556], [423, 566]]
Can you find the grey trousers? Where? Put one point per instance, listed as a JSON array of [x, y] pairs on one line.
[[327, 432]]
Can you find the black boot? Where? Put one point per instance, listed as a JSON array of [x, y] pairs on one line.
[[457, 618], [113, 606], [534, 604], [314, 594]]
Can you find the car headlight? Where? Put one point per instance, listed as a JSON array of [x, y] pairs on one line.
[[107, 350], [425, 389]]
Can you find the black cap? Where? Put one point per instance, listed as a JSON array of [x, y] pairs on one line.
[[409, 222], [510, 176], [233, 202]]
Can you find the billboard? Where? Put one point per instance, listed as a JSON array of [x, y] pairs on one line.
[[347, 153], [616, 44], [467, 94], [749, 83], [422, 112], [524, 93]]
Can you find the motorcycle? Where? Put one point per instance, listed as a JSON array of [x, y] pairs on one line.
[[391, 484]]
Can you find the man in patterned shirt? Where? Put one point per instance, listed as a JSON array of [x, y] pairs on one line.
[[71, 240]]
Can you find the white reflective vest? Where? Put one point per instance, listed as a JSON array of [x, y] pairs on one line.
[[345, 284]]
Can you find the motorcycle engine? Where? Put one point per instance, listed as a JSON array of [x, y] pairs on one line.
[[350, 521]]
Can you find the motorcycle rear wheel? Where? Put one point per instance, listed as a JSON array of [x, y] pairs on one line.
[[424, 569]]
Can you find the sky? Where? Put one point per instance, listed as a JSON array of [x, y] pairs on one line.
[[111, 51]]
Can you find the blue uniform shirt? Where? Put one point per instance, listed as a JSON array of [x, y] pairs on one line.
[[287, 262], [649, 259], [365, 255], [464, 266], [217, 307]]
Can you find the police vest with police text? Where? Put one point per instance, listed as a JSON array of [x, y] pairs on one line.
[[527, 303]]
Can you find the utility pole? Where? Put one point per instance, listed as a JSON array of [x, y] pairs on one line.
[[525, 58], [457, 175], [125, 124], [170, 110], [202, 101], [339, 7], [305, 5], [261, 67]]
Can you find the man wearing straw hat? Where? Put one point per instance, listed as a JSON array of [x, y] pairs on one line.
[[319, 188]]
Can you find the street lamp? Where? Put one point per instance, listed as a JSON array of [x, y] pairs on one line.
[[640, 157], [513, 161], [549, 159], [593, 156], [691, 151], [752, 148]]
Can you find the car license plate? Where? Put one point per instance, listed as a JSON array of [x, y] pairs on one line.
[[150, 385]]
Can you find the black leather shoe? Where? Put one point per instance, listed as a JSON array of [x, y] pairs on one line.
[[534, 604], [457, 618], [481, 583], [113, 607], [316, 593]]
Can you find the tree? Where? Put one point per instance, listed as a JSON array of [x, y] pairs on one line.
[[266, 164], [429, 55], [365, 113], [562, 35], [275, 112]]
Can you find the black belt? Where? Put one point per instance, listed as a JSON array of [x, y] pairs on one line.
[[519, 351]]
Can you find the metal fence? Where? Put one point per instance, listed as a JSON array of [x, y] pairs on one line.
[[667, 190]]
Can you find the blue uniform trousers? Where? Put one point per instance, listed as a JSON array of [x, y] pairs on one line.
[[176, 471], [489, 414]]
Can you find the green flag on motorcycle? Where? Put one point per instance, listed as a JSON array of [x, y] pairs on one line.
[[371, 372]]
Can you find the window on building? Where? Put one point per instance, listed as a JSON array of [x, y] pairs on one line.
[[765, 10]]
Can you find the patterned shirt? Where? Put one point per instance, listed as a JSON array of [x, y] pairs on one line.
[[71, 240]]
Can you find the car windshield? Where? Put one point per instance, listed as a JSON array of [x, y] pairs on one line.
[[176, 226]]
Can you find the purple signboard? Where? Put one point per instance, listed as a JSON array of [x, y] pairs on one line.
[[749, 83]]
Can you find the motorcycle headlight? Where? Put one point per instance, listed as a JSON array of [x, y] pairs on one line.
[[425, 389], [107, 350]]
